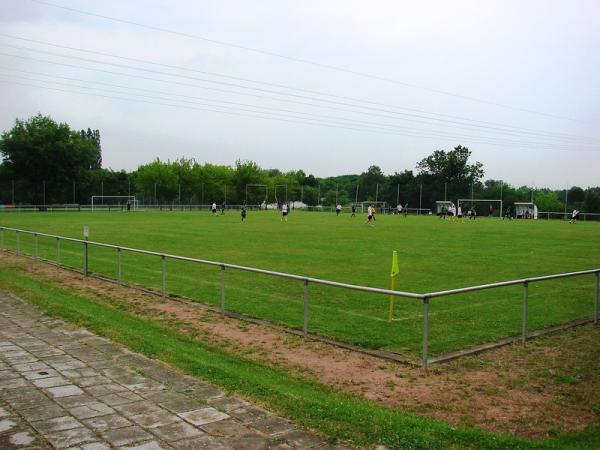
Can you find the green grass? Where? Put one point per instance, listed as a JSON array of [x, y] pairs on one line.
[[434, 255], [334, 413]]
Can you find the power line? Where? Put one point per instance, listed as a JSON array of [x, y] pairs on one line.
[[293, 88], [262, 115], [304, 61], [385, 126], [441, 121]]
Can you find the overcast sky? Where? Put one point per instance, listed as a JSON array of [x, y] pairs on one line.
[[382, 83]]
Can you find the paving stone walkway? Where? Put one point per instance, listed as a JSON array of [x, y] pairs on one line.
[[64, 387]]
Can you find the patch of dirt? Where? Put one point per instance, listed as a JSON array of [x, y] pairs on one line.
[[549, 386]]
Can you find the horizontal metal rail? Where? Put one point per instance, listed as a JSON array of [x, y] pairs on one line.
[[524, 282], [228, 266], [482, 287]]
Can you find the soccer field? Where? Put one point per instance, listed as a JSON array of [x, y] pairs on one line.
[[434, 255]]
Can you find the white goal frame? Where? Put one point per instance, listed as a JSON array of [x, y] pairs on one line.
[[127, 198], [378, 205], [462, 201], [266, 199]]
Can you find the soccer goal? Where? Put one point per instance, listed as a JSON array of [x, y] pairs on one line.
[[254, 194], [482, 207], [110, 201], [380, 206]]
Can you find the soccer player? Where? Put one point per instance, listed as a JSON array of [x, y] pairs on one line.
[[213, 208], [373, 212], [490, 211], [243, 213], [574, 216], [223, 209], [353, 211], [284, 212], [399, 208], [338, 209], [370, 215]]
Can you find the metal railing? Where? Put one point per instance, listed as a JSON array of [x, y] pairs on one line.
[[567, 215], [425, 298]]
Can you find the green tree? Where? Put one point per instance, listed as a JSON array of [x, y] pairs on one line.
[[591, 203], [451, 167], [547, 200], [46, 156], [372, 182]]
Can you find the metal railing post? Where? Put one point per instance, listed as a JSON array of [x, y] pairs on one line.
[[85, 258], [18, 244], [425, 360], [58, 251], [222, 289], [36, 250], [525, 312], [164, 275], [119, 265], [596, 298], [305, 327]]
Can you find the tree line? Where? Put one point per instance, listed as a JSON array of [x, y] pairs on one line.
[[45, 162]]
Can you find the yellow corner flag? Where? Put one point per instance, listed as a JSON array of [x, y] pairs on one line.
[[394, 276]]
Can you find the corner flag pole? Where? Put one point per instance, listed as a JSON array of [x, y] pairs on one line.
[[394, 276]]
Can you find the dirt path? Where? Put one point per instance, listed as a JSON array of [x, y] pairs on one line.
[[552, 385]]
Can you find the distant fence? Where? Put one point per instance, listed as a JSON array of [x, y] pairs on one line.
[[567, 215], [191, 207], [222, 267]]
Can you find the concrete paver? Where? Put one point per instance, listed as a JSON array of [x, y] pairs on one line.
[[63, 387]]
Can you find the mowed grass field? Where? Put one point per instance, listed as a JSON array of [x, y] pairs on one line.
[[434, 255]]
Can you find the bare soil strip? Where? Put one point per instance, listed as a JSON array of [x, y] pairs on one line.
[[551, 385]]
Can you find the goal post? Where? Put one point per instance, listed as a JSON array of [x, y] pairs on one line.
[[380, 206], [254, 196], [98, 201], [482, 206]]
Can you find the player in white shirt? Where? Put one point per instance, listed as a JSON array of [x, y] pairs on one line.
[[284, 212], [338, 209], [370, 215], [213, 208], [574, 216]]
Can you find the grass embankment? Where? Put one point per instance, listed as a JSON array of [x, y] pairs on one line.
[[434, 255], [334, 413]]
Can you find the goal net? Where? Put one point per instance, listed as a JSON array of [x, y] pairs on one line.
[[482, 207], [257, 195], [362, 207], [114, 201]]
